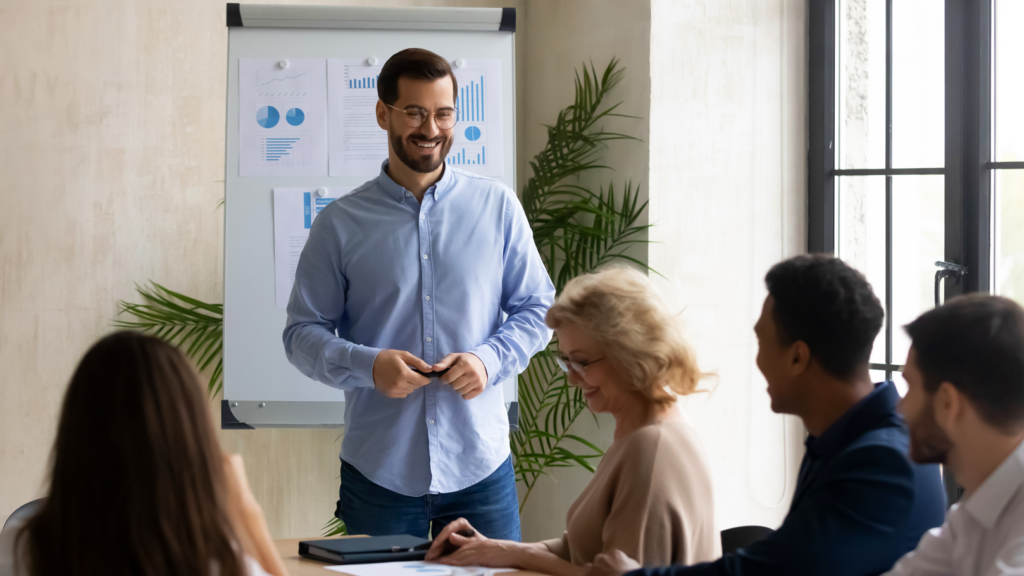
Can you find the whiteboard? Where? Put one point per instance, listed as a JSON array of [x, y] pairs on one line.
[[261, 388]]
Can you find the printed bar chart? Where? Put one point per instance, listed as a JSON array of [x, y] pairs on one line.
[[464, 158], [370, 82], [471, 101], [276, 149]]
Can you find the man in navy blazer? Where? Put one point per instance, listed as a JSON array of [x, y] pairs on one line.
[[859, 504]]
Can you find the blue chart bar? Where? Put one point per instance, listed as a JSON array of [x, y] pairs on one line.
[[461, 158], [277, 148], [370, 82], [471, 102]]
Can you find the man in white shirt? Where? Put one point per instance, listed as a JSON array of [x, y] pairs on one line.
[[965, 409]]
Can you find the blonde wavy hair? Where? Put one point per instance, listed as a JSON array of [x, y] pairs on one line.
[[618, 307]]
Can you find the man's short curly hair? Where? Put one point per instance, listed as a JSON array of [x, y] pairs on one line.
[[823, 302]]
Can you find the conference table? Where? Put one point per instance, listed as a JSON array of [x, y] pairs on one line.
[[299, 566]]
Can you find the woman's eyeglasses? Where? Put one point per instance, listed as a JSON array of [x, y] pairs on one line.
[[415, 117], [580, 367]]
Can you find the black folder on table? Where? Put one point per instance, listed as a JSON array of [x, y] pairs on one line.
[[399, 548]]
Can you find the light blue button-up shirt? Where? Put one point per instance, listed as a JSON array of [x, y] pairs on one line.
[[458, 272]]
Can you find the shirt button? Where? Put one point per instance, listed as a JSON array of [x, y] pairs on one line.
[[423, 217], [427, 298], [424, 256], [428, 338], [430, 421]]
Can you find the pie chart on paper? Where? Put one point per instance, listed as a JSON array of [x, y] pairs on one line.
[[295, 116], [268, 116]]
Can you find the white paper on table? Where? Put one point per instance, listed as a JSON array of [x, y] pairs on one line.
[[294, 212], [414, 568], [359, 145], [282, 117]]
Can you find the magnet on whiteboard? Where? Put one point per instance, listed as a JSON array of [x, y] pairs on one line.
[[371, 61], [460, 63], [321, 192], [282, 64]]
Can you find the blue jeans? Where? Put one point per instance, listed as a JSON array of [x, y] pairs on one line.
[[490, 505]]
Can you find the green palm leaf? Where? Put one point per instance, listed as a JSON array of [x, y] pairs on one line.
[[194, 326], [576, 230]]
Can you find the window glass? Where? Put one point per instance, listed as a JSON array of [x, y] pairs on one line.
[[860, 73], [1008, 81], [860, 236], [1008, 236], [918, 83], [918, 241]]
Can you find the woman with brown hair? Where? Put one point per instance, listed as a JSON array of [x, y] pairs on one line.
[[651, 493], [138, 484]]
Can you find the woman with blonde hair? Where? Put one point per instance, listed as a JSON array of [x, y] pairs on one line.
[[651, 494]]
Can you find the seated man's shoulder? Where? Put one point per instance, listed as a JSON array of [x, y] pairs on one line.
[[883, 449]]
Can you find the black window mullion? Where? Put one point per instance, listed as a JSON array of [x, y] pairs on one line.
[[821, 154], [888, 189]]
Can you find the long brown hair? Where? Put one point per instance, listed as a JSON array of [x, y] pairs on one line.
[[137, 481]]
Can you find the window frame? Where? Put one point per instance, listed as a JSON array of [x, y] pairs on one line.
[[968, 168]]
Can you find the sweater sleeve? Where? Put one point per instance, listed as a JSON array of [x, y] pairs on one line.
[[559, 547]]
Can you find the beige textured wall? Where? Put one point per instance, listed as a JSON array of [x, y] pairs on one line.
[[728, 148], [111, 146]]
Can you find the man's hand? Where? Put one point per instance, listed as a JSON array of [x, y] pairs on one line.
[[613, 563], [467, 376], [392, 376]]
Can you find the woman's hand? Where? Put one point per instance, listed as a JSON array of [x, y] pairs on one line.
[[450, 532], [486, 552], [613, 563]]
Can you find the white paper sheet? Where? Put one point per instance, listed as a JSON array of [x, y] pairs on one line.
[[414, 568], [359, 145], [294, 212], [478, 145], [282, 117]]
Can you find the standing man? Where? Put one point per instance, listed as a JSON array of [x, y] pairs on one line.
[[425, 268], [965, 408]]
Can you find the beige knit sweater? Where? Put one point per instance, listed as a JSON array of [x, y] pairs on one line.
[[650, 497]]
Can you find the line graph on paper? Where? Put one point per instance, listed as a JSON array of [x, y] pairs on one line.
[[283, 84]]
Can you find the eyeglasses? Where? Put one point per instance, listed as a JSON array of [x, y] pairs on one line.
[[415, 117], [580, 367]]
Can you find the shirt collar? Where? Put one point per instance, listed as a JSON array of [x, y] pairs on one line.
[[865, 415], [989, 500], [397, 192]]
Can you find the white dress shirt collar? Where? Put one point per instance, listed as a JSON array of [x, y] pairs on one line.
[[989, 501]]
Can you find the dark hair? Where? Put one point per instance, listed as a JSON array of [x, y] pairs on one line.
[[829, 306], [412, 63], [137, 482], [976, 343]]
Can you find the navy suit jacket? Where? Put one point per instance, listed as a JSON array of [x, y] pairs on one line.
[[859, 504]]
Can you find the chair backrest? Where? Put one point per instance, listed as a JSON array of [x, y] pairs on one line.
[[23, 512], [742, 536]]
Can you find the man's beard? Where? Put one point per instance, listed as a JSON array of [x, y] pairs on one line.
[[928, 443], [422, 164]]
